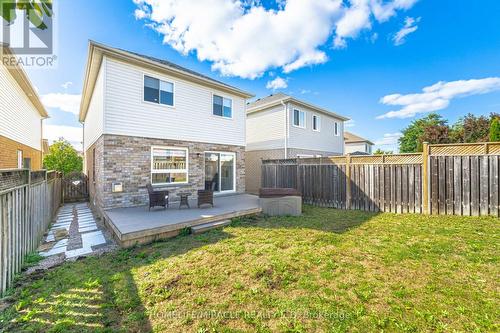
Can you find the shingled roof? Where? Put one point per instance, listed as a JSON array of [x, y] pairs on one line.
[[353, 138], [275, 99]]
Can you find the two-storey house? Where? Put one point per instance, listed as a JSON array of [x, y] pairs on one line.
[[356, 145], [281, 126], [21, 114], [148, 120]]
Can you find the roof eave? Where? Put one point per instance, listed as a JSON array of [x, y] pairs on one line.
[[296, 101], [24, 82], [127, 57]]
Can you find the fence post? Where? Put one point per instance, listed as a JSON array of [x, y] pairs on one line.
[[425, 178], [348, 181]]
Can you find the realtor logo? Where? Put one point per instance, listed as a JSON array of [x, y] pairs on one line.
[[28, 30]]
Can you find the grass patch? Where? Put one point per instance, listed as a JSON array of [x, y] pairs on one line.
[[328, 270]]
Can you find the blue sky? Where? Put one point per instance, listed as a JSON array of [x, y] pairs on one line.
[[345, 59]]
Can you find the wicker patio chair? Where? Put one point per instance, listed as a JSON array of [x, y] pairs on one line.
[[205, 197], [157, 198]]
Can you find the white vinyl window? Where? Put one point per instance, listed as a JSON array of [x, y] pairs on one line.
[[336, 128], [222, 107], [158, 91], [19, 159], [169, 165], [316, 123], [299, 118]]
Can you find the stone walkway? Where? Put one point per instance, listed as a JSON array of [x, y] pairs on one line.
[[75, 233]]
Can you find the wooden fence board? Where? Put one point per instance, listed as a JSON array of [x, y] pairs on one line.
[[494, 189], [449, 185], [457, 184], [460, 185], [484, 184], [25, 214], [474, 185]]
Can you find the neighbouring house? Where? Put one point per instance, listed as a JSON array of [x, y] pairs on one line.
[[280, 126], [356, 145], [148, 120], [21, 114]]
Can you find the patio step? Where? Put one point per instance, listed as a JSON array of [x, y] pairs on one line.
[[198, 229]]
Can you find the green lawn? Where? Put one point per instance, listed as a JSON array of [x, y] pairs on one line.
[[327, 271]]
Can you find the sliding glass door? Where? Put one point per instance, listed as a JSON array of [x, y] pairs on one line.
[[220, 171]]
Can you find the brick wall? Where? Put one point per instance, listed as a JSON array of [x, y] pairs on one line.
[[8, 154], [128, 160]]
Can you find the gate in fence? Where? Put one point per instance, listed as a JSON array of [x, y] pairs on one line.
[[445, 179], [75, 187]]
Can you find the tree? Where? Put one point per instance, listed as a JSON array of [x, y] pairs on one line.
[[383, 152], [63, 157], [495, 129], [36, 11], [411, 140], [435, 134], [471, 129]]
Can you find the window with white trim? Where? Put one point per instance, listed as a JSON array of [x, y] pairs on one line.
[[169, 165], [158, 91], [299, 118], [222, 106], [336, 128], [316, 123]]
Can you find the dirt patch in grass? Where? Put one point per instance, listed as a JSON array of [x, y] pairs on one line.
[[327, 271]]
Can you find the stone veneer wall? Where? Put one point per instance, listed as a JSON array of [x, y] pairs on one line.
[[128, 160], [96, 188]]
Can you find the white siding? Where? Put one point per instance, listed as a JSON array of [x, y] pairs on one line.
[[191, 118], [20, 120], [322, 140], [94, 121], [358, 146], [266, 129]]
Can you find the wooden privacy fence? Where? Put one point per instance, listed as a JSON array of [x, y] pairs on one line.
[[465, 183], [28, 202]]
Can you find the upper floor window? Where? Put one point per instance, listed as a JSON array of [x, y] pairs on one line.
[[222, 107], [299, 118], [336, 128], [158, 91], [316, 122]]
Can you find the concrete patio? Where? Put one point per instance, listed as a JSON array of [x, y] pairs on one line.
[[138, 225]]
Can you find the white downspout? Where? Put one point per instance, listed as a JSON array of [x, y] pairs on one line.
[[286, 128]]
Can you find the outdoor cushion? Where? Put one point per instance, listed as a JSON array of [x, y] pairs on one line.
[[278, 192]]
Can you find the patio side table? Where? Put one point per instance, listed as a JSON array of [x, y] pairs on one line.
[[184, 199]]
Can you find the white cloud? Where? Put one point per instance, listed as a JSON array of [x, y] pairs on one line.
[[437, 96], [64, 102], [67, 84], [409, 27], [73, 134], [277, 83], [242, 38], [390, 141]]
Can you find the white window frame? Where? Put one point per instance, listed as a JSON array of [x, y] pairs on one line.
[[223, 97], [167, 80], [220, 176], [293, 118], [170, 170], [20, 160], [318, 123], [336, 128]]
